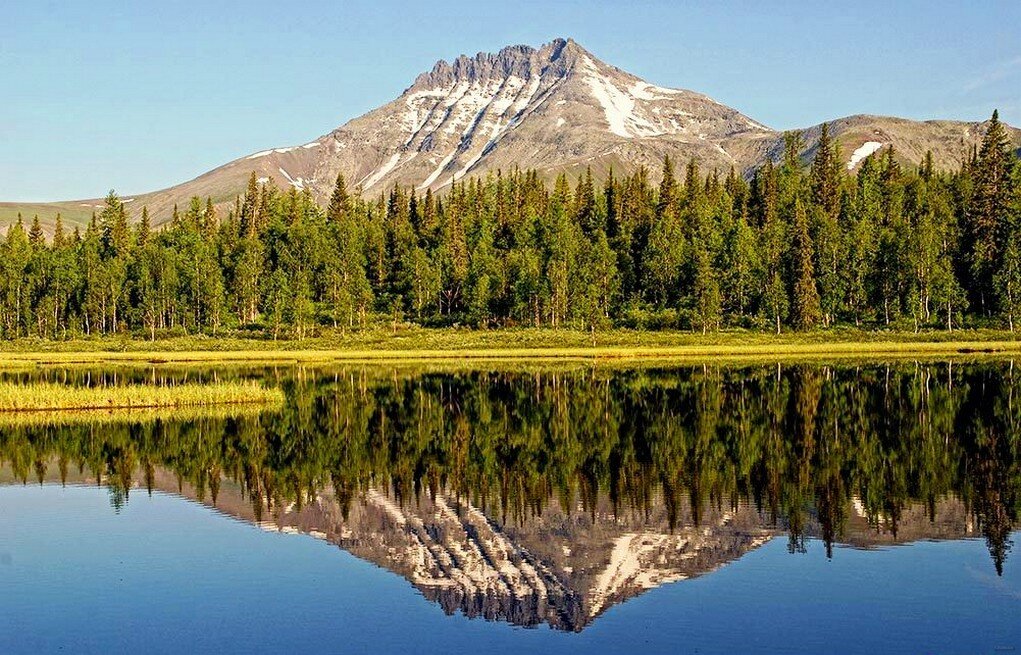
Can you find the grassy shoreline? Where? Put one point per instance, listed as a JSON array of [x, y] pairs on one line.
[[34, 397], [424, 345]]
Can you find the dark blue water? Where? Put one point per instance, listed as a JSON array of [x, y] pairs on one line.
[[167, 575]]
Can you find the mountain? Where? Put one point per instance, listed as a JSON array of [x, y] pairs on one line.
[[557, 109]]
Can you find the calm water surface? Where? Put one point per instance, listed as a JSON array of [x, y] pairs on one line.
[[767, 509]]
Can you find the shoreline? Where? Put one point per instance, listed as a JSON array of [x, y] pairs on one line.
[[451, 345]]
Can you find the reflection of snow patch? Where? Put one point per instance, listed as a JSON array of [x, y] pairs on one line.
[[866, 149], [387, 505], [626, 566]]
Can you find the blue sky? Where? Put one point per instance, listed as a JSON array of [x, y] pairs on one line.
[[139, 96]]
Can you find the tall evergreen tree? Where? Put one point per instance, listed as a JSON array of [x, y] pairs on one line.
[[804, 297], [987, 211]]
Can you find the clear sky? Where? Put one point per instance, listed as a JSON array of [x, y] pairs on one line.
[[142, 95]]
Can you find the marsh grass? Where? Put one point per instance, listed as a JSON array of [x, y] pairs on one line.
[[439, 344], [48, 396]]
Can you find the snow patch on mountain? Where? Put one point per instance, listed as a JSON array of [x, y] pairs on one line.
[[297, 183], [645, 91], [436, 173], [866, 149], [278, 151], [621, 108], [374, 177]]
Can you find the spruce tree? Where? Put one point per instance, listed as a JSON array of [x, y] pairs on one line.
[[144, 231], [804, 297], [58, 232], [585, 214], [825, 175], [35, 234], [987, 212]]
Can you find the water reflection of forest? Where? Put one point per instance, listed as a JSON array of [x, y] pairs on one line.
[[548, 495]]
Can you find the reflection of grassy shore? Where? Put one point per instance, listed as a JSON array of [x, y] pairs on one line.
[[457, 344], [107, 417], [46, 396]]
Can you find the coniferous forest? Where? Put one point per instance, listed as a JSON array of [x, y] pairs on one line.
[[795, 247]]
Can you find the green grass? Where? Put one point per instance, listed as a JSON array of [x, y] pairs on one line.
[[72, 213], [47, 396], [422, 344]]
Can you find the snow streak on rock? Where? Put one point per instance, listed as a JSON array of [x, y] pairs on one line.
[[866, 149]]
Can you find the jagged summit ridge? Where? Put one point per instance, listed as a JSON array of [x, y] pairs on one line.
[[517, 60]]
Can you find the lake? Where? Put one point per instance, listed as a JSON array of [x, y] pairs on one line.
[[846, 507]]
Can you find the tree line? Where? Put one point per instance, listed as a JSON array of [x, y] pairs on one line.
[[795, 247]]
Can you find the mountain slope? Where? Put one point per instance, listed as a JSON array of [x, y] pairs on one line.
[[556, 108]]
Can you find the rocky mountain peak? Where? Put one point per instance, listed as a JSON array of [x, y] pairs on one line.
[[522, 61]]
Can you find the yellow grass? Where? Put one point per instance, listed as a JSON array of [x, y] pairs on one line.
[[44, 396], [424, 345]]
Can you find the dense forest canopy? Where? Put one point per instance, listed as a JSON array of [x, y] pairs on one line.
[[793, 248]]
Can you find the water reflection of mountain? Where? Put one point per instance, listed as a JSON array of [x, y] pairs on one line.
[[562, 568], [547, 497]]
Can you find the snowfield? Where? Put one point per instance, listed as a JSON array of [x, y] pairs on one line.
[[868, 148]]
